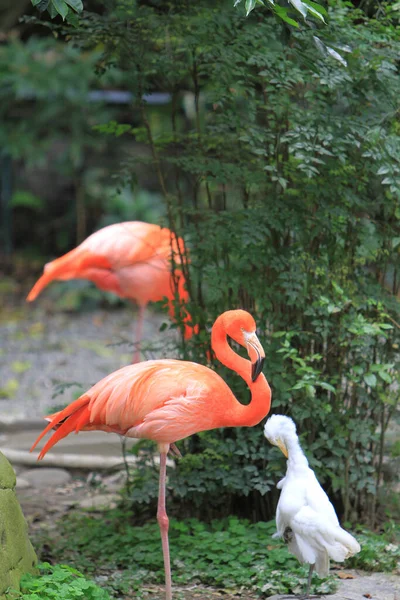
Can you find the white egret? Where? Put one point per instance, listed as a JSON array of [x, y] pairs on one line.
[[305, 518]]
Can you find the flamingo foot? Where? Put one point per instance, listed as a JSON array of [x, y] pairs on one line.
[[174, 450]]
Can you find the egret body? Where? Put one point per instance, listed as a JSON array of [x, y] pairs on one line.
[[305, 518]]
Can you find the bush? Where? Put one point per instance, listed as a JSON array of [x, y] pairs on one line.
[[58, 582], [227, 553], [290, 159]]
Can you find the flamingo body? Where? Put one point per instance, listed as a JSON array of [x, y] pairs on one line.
[[168, 400], [160, 400], [131, 260]]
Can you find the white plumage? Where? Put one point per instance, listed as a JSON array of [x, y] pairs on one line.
[[305, 518]]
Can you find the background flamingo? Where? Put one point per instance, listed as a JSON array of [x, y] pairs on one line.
[[132, 260], [168, 400]]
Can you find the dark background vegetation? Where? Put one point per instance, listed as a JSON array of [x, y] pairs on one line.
[[277, 158]]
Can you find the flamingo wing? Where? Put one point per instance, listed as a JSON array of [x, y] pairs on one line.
[[161, 400]]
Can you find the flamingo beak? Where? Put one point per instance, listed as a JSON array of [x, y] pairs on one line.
[[257, 355]]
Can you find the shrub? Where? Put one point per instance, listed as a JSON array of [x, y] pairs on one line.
[[59, 582], [290, 158]]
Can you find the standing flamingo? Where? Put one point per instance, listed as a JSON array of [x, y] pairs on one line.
[[132, 260], [168, 400]]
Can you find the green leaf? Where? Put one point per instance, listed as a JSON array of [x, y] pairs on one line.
[[249, 5], [27, 199], [383, 170], [282, 13], [328, 386], [300, 7], [76, 5], [385, 376], [41, 5], [61, 8], [317, 7], [316, 13], [52, 11], [370, 379]]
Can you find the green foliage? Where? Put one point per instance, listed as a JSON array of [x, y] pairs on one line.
[[47, 124], [378, 552], [57, 78], [290, 159], [226, 554], [67, 9], [64, 8], [277, 159], [305, 8], [59, 582]]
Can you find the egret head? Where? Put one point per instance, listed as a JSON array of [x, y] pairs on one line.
[[278, 430]]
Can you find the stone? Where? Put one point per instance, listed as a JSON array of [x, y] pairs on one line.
[[44, 477], [379, 586], [17, 555], [115, 482], [100, 501], [22, 484]]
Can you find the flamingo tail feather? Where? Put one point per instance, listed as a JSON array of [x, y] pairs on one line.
[[72, 418]]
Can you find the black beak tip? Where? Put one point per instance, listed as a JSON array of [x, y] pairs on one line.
[[256, 369]]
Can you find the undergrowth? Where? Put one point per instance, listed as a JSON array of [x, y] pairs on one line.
[[228, 554], [59, 582]]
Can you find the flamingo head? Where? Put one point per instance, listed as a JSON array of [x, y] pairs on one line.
[[241, 327]]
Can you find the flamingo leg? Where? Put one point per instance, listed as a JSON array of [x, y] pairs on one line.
[[163, 523], [138, 334]]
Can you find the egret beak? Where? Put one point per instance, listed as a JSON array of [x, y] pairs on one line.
[[257, 355], [282, 448]]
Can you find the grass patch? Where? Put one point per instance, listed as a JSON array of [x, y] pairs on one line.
[[59, 582], [229, 554], [379, 551]]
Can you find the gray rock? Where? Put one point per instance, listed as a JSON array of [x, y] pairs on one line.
[[115, 482], [23, 484], [45, 477], [377, 586], [100, 501]]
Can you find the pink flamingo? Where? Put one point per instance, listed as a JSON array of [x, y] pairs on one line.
[[132, 260], [168, 400]]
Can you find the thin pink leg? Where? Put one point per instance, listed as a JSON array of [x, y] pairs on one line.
[[138, 334], [163, 523]]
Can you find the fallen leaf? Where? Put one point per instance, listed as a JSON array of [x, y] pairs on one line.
[[343, 575], [20, 366], [36, 330], [9, 389]]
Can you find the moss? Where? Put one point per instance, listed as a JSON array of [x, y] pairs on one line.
[[7, 475], [17, 555]]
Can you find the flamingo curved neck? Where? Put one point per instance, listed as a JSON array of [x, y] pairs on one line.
[[241, 415]]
